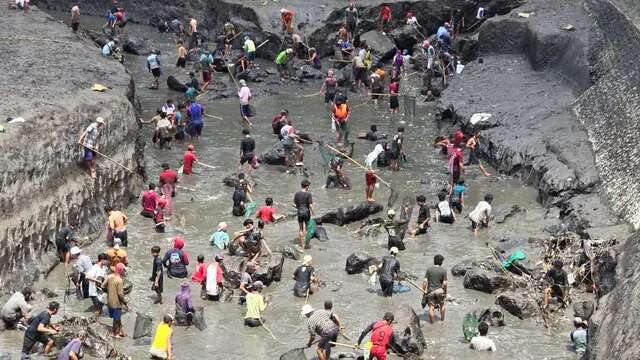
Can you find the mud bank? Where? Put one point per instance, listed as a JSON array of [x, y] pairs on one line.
[[47, 73]]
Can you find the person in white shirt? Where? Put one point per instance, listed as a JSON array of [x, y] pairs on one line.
[[482, 342], [96, 275], [481, 214], [82, 266], [443, 210]]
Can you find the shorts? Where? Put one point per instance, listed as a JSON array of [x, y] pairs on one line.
[[156, 72], [556, 292], [393, 102], [252, 322], [75, 26], [122, 235], [303, 218], [206, 76], [115, 314], [359, 74], [325, 341], [473, 157], [392, 155], [378, 352], [213, 297], [351, 26], [246, 158], [329, 97], [245, 111], [89, 154], [182, 62], [343, 127], [447, 219], [434, 298], [195, 129], [251, 56], [147, 213], [376, 91], [97, 304], [28, 343]]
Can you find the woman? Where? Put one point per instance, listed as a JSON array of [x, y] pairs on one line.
[[184, 305], [314, 59], [161, 347], [394, 88]]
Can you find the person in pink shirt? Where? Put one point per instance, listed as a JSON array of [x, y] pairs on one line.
[[149, 199], [245, 96], [201, 271]]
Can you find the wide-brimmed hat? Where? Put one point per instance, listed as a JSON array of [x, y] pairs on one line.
[[306, 260], [100, 120]]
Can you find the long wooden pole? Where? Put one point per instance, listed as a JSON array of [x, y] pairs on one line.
[[345, 345], [108, 158]]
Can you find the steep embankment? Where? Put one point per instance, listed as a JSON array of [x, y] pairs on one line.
[[610, 111], [46, 73]]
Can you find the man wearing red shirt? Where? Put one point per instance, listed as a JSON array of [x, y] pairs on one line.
[[168, 180], [188, 160], [457, 165], [384, 19], [267, 213], [381, 336], [149, 199]]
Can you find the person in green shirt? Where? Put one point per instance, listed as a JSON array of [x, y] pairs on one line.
[[282, 60], [220, 238], [249, 50], [255, 305]]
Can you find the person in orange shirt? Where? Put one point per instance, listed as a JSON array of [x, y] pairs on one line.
[[117, 225], [341, 115], [287, 20]]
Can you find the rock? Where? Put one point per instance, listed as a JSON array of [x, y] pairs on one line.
[[517, 304], [407, 332], [289, 252], [274, 156], [583, 309], [342, 76], [504, 211], [380, 45], [467, 47], [175, 84], [461, 268], [271, 270], [143, 326], [485, 281], [604, 272], [136, 46], [308, 72], [48, 293], [230, 180], [405, 37], [358, 262], [492, 316], [99, 343], [343, 216]]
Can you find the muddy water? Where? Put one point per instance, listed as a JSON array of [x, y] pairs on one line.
[[357, 305]]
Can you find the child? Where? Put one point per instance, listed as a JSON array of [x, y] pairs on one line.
[[370, 180], [456, 195], [424, 215], [201, 271], [157, 274], [158, 215], [220, 238], [443, 210], [267, 213]]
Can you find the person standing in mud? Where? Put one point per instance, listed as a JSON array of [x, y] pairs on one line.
[[249, 48], [396, 150], [395, 231], [481, 214], [176, 260], [286, 18], [394, 89], [206, 64], [192, 31], [303, 201], [168, 180], [340, 114], [188, 160], [161, 347], [282, 61], [115, 299], [182, 55], [214, 281], [39, 330], [424, 215], [247, 152], [244, 94], [196, 112], [256, 304], [153, 65], [89, 140], [370, 182], [116, 255], [157, 274], [320, 322], [64, 240], [148, 201], [330, 88], [388, 272], [304, 276], [557, 283], [473, 144], [434, 286], [75, 17], [384, 19], [382, 335], [351, 19], [229, 36], [95, 276], [117, 224]]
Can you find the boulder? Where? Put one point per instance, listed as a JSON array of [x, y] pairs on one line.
[[175, 84], [492, 316], [343, 216], [230, 180], [99, 344], [604, 271], [408, 334], [136, 46], [343, 76], [274, 156], [485, 281], [271, 270], [309, 72], [461, 268], [504, 211], [358, 262], [405, 37], [380, 45], [517, 304], [143, 326], [583, 309], [289, 252]]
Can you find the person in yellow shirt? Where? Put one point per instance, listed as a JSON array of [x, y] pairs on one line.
[[161, 346], [255, 305], [117, 225]]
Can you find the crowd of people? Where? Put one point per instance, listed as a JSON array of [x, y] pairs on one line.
[[103, 281]]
